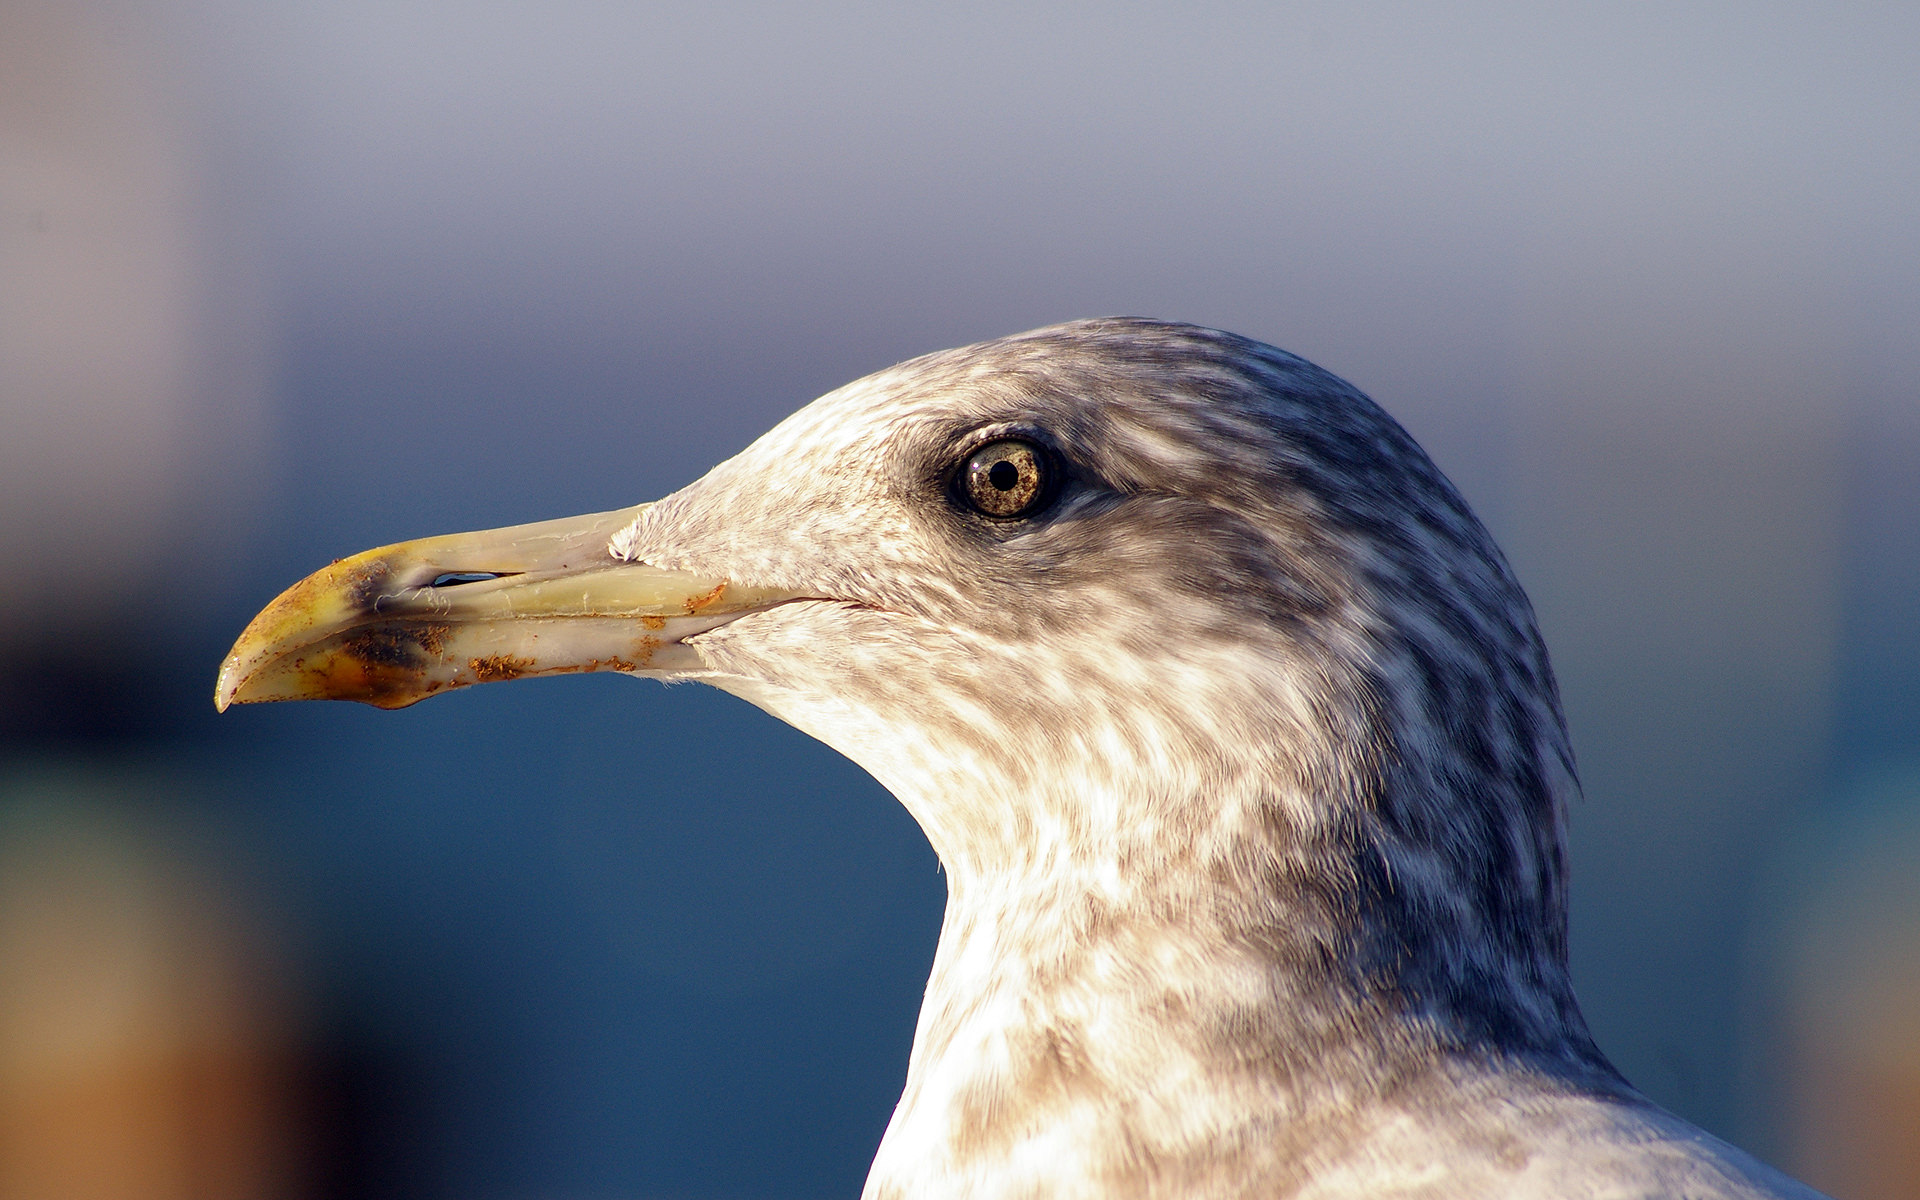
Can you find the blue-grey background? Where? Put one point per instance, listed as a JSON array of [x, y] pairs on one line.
[[279, 282]]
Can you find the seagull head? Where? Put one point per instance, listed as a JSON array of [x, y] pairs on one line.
[[1171, 641]]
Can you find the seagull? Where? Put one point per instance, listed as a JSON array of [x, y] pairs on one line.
[[1227, 719]]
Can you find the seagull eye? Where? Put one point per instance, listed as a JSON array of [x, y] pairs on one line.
[[1006, 479]]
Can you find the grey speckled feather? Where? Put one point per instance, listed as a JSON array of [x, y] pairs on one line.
[[1245, 763]]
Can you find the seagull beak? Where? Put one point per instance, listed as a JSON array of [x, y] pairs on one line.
[[395, 625]]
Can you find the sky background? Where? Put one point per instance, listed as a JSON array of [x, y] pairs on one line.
[[279, 282]]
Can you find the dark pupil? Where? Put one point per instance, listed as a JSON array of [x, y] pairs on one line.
[[1003, 475]]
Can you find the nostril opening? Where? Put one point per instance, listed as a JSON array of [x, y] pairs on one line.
[[456, 578]]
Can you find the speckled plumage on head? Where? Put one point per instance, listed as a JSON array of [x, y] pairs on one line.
[[1243, 756], [1225, 501]]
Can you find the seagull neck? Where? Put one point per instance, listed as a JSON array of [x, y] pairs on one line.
[[1087, 1004]]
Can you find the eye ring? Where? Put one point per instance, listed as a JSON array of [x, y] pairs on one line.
[[1006, 479]]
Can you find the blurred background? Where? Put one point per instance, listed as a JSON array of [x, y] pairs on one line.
[[282, 281]]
